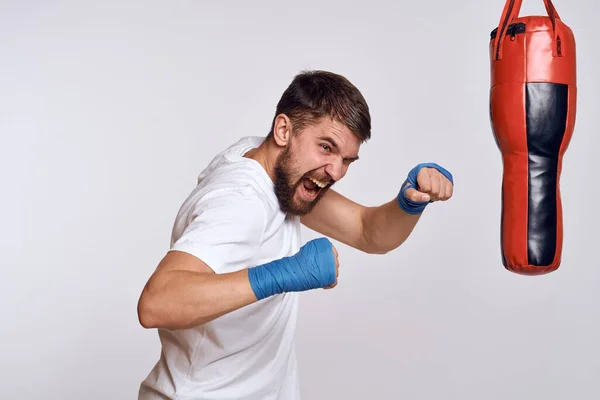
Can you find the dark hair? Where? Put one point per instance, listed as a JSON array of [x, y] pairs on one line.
[[313, 95]]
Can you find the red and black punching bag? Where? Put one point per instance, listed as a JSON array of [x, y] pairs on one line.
[[533, 96]]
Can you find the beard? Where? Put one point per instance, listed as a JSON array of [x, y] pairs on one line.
[[286, 186]]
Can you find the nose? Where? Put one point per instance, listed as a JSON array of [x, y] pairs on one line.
[[335, 170]]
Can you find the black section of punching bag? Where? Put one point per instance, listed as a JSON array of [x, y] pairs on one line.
[[546, 118]]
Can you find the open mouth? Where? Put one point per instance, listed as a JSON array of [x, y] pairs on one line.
[[311, 188]]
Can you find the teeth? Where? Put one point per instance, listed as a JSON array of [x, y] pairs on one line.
[[318, 183]]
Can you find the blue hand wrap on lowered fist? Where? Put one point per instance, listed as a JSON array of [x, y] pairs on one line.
[[312, 267], [416, 207]]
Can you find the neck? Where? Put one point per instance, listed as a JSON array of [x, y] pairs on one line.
[[266, 155]]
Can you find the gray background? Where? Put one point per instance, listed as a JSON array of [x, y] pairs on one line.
[[109, 110]]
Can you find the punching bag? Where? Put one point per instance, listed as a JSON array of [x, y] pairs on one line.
[[532, 106]]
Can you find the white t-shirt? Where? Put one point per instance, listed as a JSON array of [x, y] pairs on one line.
[[232, 221]]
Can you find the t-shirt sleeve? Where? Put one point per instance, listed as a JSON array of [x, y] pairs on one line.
[[225, 230]]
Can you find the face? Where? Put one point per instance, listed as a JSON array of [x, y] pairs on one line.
[[311, 162]]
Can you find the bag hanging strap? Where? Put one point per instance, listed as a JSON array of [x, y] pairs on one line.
[[511, 12]]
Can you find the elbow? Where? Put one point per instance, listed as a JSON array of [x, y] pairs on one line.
[[155, 312], [376, 250], [146, 312], [153, 304], [371, 247], [151, 310]]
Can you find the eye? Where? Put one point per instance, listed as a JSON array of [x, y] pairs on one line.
[[326, 147]]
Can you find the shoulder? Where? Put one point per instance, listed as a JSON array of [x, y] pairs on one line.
[[222, 225], [223, 213], [233, 181], [236, 177], [235, 199], [231, 185]]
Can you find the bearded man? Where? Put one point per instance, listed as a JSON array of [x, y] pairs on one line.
[[224, 298]]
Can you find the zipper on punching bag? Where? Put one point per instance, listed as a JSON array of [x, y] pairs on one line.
[[513, 30]]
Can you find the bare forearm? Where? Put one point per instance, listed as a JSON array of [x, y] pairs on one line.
[[386, 227], [182, 299]]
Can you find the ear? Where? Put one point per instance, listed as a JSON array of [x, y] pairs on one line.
[[282, 130]]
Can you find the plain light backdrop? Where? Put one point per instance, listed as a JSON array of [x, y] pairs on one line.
[[110, 109]]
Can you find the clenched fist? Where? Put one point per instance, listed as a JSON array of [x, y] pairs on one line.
[[432, 186], [314, 266], [427, 182]]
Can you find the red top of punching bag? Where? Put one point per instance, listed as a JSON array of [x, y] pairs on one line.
[[532, 48]]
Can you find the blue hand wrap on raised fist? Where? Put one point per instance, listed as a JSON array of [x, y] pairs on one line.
[[417, 207], [312, 267]]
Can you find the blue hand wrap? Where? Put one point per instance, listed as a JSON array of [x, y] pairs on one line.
[[416, 207], [312, 267]]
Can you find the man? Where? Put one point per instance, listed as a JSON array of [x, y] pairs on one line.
[[224, 298]]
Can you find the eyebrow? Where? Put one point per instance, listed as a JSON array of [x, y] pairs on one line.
[[335, 145]]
